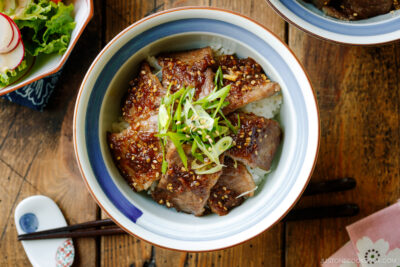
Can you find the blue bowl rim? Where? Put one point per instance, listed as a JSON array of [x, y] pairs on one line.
[[285, 17]]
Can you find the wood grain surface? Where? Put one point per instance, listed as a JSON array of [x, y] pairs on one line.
[[359, 100]]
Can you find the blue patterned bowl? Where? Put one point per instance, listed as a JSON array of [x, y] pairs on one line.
[[376, 30], [98, 105]]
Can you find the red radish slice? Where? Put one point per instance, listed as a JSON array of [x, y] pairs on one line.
[[13, 59], [17, 37], [7, 33]]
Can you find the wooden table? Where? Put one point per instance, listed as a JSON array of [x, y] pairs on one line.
[[358, 91]]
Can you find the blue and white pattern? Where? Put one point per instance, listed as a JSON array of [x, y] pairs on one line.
[[134, 45], [186, 29], [29, 223], [379, 29], [35, 95]]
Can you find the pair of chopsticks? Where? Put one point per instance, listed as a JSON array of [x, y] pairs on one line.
[[86, 229], [108, 227]]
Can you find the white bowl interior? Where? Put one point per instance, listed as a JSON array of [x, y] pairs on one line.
[[158, 219]]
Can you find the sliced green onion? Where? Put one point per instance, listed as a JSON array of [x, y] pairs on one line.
[[176, 140], [200, 124], [210, 171], [196, 166], [163, 118], [228, 123], [196, 155], [215, 105], [219, 77], [222, 98], [223, 92], [223, 144], [164, 164], [204, 119], [205, 150]]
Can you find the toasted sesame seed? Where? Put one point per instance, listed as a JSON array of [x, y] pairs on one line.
[[157, 174], [148, 160], [161, 201], [153, 167], [118, 158]]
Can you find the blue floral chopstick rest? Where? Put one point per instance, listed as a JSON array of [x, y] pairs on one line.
[[38, 213]]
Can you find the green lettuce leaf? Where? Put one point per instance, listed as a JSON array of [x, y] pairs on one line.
[[11, 75], [45, 26]]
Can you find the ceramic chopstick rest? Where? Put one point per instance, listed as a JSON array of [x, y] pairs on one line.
[[38, 213]]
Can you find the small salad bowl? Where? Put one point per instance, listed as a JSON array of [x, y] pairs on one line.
[[46, 64], [372, 31], [98, 106]]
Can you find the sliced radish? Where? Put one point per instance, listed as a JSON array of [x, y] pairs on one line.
[[7, 33], [17, 36], [13, 59]]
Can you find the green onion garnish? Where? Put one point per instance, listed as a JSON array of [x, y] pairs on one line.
[[200, 123]]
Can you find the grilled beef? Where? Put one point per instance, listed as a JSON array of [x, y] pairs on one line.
[[138, 157], [248, 82], [256, 141], [140, 107], [190, 68], [227, 193], [181, 188], [355, 9]]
